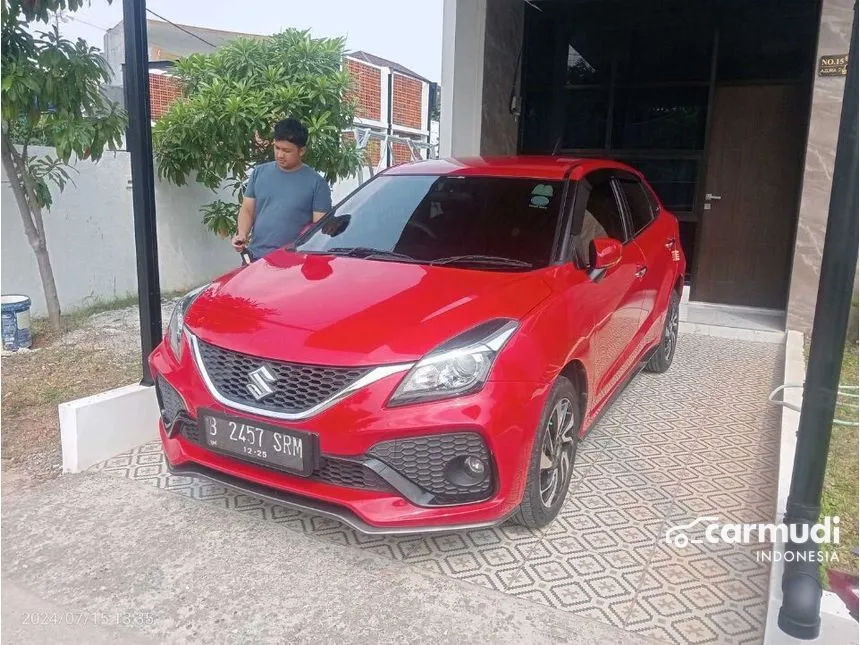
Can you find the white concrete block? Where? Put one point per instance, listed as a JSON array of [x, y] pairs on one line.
[[98, 427]]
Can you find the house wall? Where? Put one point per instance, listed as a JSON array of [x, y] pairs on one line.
[[833, 39], [463, 26], [114, 53], [406, 116], [406, 95], [163, 91], [367, 81], [504, 29], [90, 236]]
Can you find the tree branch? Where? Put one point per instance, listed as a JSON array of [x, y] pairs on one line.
[[10, 159], [35, 209]]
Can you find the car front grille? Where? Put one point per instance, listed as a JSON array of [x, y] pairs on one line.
[[168, 398], [351, 474], [191, 431], [296, 387], [424, 460]]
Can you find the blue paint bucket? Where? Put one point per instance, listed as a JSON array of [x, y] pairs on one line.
[[16, 322]]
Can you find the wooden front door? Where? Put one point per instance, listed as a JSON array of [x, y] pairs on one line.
[[755, 165]]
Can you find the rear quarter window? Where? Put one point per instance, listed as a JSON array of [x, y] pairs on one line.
[[640, 205]]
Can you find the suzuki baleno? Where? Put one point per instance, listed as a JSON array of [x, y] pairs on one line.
[[429, 354]]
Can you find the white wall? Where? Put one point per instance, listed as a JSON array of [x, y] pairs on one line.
[[90, 234], [463, 30]]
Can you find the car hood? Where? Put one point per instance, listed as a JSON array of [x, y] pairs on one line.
[[335, 310]]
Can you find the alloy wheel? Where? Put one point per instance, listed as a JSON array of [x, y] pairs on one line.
[[670, 336], [556, 452]]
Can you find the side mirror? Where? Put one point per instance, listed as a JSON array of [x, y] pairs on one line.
[[605, 253]]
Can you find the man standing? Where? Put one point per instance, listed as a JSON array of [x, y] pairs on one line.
[[282, 196]]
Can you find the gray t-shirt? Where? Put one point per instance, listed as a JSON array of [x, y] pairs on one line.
[[285, 202]]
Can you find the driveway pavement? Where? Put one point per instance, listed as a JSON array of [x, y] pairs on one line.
[[698, 440]]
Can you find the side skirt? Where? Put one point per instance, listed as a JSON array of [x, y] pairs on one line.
[[620, 389]]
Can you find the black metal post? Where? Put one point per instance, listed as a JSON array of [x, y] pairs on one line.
[[799, 615], [136, 80]]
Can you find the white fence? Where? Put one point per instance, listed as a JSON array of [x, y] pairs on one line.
[[90, 234]]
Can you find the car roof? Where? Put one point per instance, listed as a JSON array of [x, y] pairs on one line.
[[533, 167]]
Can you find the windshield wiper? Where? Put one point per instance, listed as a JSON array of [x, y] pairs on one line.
[[488, 260], [367, 253]]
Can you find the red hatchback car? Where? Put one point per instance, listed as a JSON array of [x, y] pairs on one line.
[[427, 356]]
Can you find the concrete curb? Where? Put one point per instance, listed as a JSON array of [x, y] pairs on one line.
[[837, 626], [99, 427]]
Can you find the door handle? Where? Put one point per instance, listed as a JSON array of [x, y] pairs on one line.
[[641, 271], [670, 243]]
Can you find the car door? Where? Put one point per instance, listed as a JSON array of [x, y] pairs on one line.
[[655, 237], [613, 298]]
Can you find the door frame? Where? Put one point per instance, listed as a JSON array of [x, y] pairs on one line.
[[701, 179]]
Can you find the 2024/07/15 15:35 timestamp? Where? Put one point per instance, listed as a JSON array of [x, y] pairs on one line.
[[133, 619]]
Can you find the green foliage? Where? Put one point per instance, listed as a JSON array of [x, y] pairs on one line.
[[45, 169], [21, 132], [51, 95], [221, 217], [235, 95]]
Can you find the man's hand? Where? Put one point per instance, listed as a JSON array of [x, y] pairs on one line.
[[238, 242]]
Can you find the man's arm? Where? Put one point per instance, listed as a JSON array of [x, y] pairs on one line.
[[322, 199], [246, 213], [246, 221]]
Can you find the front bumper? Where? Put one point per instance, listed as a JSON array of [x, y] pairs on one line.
[[367, 476]]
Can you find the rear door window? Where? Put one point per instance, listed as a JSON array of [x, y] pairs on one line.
[[638, 204], [602, 218]]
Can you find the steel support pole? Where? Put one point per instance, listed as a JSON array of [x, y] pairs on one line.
[[799, 615], [139, 135]]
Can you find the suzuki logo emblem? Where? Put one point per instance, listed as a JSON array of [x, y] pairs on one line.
[[260, 385]]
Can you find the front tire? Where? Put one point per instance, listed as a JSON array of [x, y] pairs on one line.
[[552, 459], [662, 359]]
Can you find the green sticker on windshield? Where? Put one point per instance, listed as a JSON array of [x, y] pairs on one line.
[[541, 195]]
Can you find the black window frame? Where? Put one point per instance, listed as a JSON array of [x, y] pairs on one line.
[[582, 192], [626, 177]]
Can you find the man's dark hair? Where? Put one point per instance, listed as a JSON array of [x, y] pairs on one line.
[[291, 130]]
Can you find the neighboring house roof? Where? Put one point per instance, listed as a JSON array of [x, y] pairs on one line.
[[382, 62], [174, 42], [171, 40]]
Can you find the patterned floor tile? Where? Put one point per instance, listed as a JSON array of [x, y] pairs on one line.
[[703, 593], [699, 440]]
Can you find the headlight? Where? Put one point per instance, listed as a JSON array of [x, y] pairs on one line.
[[177, 321], [458, 367]]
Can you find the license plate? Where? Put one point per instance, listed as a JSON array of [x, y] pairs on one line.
[[289, 450]]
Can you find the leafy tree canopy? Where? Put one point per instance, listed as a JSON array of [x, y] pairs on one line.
[[234, 96]]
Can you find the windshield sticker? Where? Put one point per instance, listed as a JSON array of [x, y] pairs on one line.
[[541, 195]]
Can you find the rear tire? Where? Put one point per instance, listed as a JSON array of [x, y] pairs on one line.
[[665, 352], [552, 458]]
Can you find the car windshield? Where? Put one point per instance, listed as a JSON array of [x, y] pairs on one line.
[[483, 222]]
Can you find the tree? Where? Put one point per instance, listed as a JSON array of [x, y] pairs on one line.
[[50, 93], [234, 96]]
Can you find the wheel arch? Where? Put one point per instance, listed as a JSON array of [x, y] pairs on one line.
[[576, 373]]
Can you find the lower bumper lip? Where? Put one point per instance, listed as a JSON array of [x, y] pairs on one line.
[[313, 506]]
